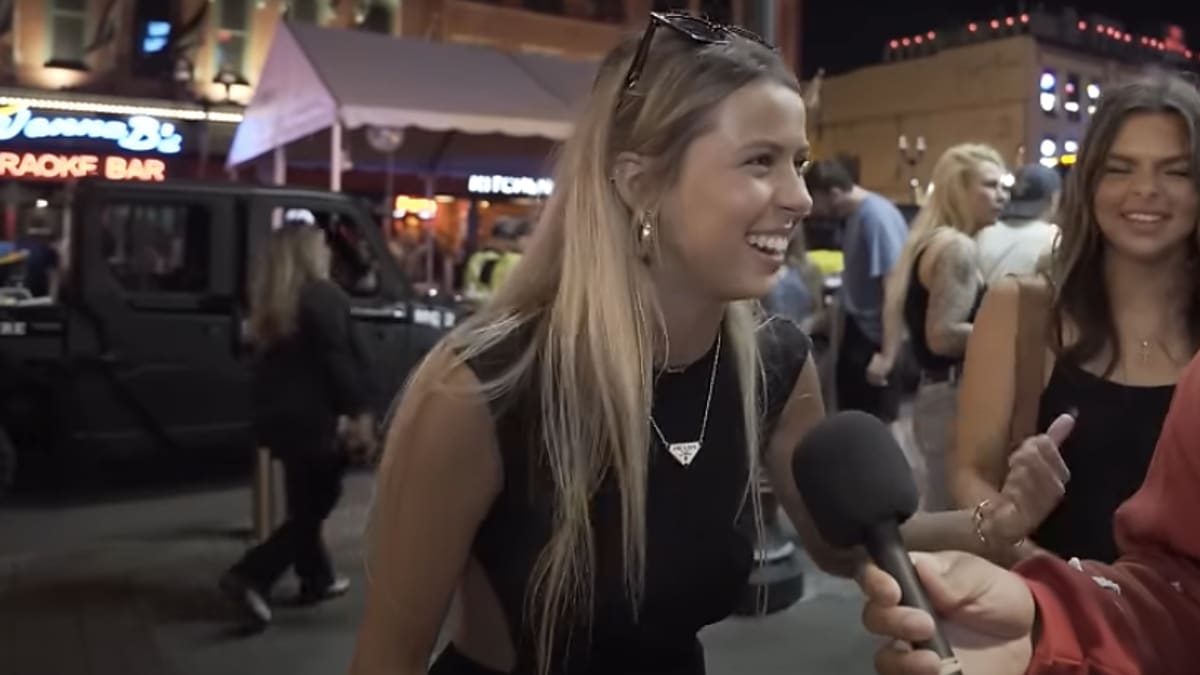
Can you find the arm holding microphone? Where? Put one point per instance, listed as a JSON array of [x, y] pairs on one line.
[[1140, 615]]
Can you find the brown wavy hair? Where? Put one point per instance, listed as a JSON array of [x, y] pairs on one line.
[[1077, 269]]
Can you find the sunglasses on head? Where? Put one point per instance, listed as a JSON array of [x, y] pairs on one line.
[[695, 28]]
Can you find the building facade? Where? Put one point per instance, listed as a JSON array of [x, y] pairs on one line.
[[193, 64], [121, 46], [1025, 84], [154, 89]]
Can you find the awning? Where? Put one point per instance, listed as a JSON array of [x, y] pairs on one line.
[[445, 95], [568, 81]]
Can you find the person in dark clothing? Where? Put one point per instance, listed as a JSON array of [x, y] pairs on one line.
[[44, 260], [311, 406]]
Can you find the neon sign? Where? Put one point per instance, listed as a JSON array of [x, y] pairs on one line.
[[63, 167], [139, 133], [510, 185], [424, 209]]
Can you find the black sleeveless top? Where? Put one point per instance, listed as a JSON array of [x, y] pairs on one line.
[[698, 558], [916, 307], [1108, 454]]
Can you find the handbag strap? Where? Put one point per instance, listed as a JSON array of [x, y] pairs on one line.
[[1033, 310]]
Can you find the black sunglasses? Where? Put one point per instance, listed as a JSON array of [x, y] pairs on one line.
[[695, 28]]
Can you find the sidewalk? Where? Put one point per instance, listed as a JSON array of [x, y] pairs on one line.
[[64, 629], [134, 593]]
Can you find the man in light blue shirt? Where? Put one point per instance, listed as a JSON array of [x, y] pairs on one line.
[[872, 240]]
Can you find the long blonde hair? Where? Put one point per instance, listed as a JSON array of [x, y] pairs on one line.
[[948, 205], [584, 299], [291, 259]]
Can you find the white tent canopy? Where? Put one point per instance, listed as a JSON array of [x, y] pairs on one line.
[[568, 81], [315, 79]]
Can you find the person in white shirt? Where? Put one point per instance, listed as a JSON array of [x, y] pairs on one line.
[[1023, 235]]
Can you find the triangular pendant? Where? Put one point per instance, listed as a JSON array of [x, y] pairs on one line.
[[684, 453]]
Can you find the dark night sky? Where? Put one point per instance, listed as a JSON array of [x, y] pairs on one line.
[[840, 35]]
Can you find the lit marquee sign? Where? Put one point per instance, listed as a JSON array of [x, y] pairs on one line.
[[52, 166], [139, 133], [522, 186]]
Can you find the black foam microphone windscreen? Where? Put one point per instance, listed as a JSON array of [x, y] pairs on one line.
[[858, 488], [853, 475]]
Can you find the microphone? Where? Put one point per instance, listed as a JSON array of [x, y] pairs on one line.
[[859, 489]]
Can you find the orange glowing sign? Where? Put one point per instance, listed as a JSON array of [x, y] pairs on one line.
[[53, 166], [417, 206]]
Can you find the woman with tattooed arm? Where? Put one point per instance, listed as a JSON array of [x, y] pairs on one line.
[[935, 291]]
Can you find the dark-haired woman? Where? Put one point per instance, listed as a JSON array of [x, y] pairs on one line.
[[1121, 311]]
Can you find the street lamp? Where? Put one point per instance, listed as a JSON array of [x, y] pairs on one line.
[[911, 156], [230, 79]]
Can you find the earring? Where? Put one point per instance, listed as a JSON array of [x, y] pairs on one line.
[[645, 228]]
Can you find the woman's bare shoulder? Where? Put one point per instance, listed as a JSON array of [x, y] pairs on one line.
[[445, 418]]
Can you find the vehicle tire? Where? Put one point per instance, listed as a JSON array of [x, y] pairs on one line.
[[8, 463]]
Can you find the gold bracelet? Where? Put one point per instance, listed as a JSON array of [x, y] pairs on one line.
[[977, 518], [977, 521]]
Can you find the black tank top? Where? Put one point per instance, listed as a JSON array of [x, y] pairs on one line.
[[1108, 454], [698, 558], [916, 307]]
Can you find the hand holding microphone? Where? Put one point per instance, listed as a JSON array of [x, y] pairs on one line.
[[986, 612], [858, 489]]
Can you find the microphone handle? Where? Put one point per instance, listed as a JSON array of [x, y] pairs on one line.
[[887, 550]]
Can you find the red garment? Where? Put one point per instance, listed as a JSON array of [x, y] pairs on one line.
[[1141, 615]]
